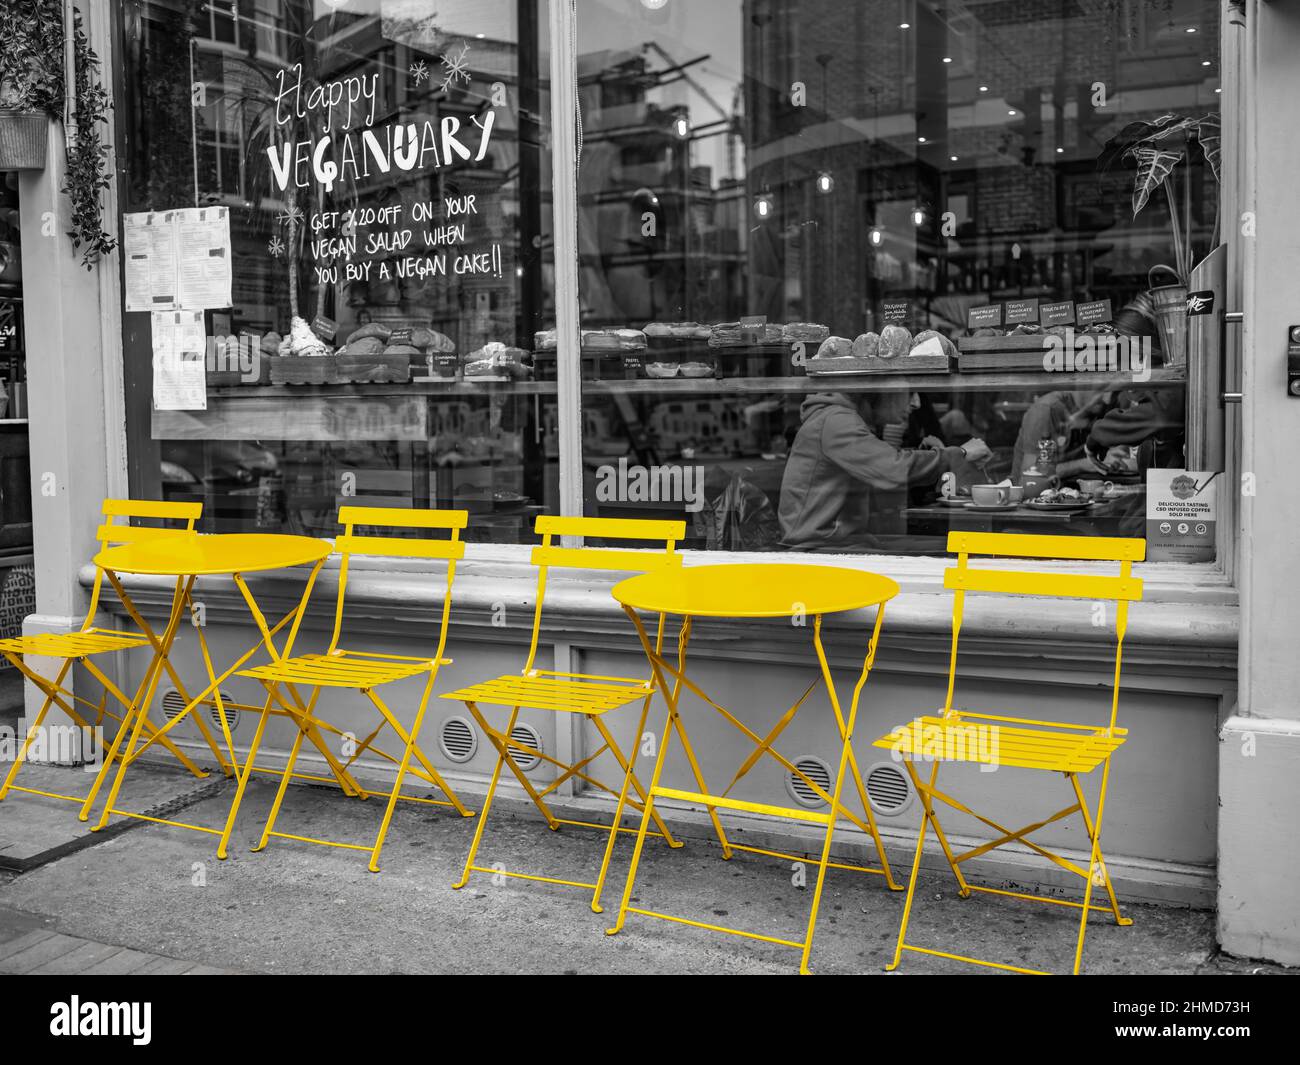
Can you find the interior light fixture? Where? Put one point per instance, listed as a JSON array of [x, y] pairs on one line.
[[825, 182]]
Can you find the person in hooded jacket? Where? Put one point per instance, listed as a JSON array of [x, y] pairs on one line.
[[844, 487]]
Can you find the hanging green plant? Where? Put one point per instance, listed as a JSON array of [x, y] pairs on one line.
[[32, 79]]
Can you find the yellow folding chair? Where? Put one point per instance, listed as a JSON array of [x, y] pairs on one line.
[[994, 739], [362, 671], [90, 640], [590, 695]]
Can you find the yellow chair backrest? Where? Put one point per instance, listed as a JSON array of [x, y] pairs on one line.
[[1121, 590], [450, 549], [112, 533], [548, 554]]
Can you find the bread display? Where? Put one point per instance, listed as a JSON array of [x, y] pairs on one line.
[[835, 348], [370, 329], [546, 340], [895, 342], [932, 342], [866, 346], [302, 342]]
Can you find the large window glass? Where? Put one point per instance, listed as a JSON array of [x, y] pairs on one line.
[[384, 170], [855, 273]]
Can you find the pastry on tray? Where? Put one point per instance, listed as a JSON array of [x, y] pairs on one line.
[[613, 340], [696, 369], [734, 335], [495, 359], [661, 369], [546, 340], [808, 332], [676, 330]]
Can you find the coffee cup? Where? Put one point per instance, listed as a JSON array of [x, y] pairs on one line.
[[1096, 487], [989, 495]]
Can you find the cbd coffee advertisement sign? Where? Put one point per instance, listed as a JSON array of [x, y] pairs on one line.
[[1182, 508]]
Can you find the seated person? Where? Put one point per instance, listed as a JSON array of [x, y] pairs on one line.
[[844, 487], [1063, 417]]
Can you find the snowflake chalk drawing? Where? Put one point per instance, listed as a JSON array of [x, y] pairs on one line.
[[455, 68]]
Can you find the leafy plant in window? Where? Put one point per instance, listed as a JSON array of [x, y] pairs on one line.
[[1157, 148], [32, 79]]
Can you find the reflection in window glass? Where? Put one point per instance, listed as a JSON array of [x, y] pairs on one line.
[[845, 264], [384, 167]]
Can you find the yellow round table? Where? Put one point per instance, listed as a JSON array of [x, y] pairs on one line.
[[187, 559], [762, 590]]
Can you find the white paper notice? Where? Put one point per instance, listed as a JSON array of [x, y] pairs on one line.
[[177, 259], [179, 380], [203, 251], [149, 248]]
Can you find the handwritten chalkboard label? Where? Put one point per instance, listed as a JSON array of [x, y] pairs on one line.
[[1021, 311], [752, 328], [399, 336], [632, 366], [895, 312], [323, 327], [1057, 313], [1092, 313], [989, 317], [444, 364]]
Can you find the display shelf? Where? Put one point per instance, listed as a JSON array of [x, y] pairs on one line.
[[281, 396], [1022, 381]]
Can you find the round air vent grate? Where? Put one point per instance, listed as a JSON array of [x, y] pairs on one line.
[[173, 702], [888, 788], [458, 739], [816, 770], [529, 737]]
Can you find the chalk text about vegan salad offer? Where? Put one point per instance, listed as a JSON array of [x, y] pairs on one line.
[[352, 149]]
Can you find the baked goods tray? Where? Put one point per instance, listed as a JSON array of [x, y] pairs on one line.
[[907, 364]]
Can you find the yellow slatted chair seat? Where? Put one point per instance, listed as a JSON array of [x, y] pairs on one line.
[[953, 740], [73, 644], [558, 694], [347, 670]]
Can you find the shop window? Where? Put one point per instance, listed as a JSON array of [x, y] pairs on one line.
[[376, 343], [825, 243]]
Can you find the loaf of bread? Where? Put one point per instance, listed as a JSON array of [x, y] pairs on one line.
[[866, 346], [835, 348]]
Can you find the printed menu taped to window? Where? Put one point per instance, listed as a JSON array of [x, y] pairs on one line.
[[177, 260], [179, 379]]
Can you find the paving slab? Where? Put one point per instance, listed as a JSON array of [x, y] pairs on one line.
[[296, 908], [45, 828]]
